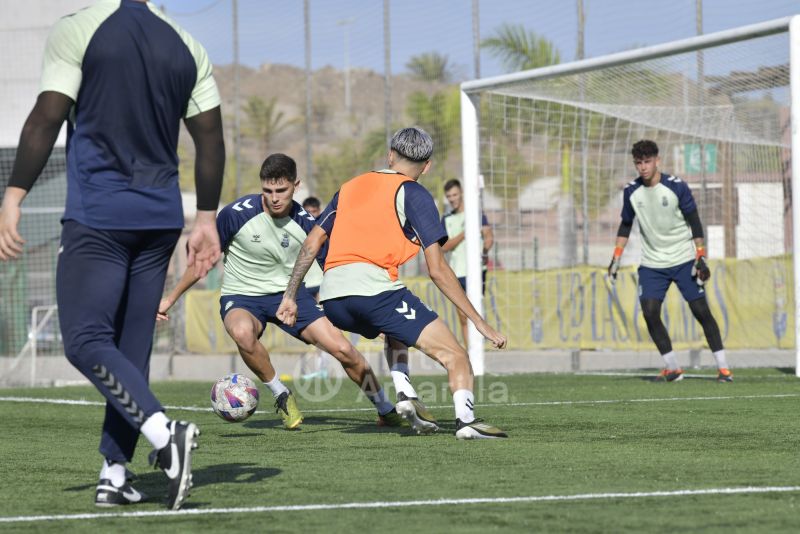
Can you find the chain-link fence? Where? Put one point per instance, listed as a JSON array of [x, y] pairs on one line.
[[325, 83]]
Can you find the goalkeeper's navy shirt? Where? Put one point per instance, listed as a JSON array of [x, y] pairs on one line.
[[661, 210], [133, 74]]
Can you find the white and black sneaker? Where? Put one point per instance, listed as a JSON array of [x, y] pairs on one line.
[[176, 461], [477, 429], [417, 415], [107, 494]]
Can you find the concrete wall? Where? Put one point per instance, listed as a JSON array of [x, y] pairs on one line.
[[23, 33], [56, 370]]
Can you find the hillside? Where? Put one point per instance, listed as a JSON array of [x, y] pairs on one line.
[[331, 126]]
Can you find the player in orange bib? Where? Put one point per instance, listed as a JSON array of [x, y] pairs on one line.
[[375, 223]]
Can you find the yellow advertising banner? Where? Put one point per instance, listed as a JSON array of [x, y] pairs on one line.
[[577, 309]]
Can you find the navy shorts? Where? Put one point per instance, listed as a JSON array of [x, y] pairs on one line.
[[398, 314], [313, 291], [264, 308], [653, 283], [463, 281]]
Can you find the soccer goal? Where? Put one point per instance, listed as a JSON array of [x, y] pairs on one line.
[[43, 336], [546, 157]]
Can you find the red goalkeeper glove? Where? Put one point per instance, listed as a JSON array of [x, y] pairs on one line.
[[613, 267], [700, 270]]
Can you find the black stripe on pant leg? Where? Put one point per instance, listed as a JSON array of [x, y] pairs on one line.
[[115, 387]]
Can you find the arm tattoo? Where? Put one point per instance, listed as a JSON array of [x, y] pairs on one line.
[[301, 266]]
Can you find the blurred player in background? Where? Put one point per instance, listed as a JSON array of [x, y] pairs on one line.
[[313, 206], [125, 76], [381, 219], [672, 251], [454, 224], [261, 235]]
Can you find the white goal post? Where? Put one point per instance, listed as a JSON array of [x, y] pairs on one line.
[[41, 317], [551, 113]]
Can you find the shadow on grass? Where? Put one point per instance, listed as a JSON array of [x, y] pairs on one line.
[[154, 483], [327, 423], [656, 378]]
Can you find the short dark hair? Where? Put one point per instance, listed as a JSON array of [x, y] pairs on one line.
[[278, 166], [644, 149], [312, 202], [450, 184], [413, 144]]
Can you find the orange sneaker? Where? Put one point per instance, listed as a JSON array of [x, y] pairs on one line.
[[725, 375]]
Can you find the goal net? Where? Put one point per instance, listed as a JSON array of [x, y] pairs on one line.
[[547, 156]]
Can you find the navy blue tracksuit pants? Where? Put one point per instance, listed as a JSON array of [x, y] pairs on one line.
[[109, 284]]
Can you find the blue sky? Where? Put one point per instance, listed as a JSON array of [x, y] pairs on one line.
[[271, 31]]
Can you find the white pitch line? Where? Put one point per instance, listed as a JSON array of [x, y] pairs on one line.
[[82, 402], [659, 399], [397, 504], [651, 375]]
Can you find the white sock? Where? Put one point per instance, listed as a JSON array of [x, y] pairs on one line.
[[156, 431], [402, 384], [276, 386], [671, 360], [465, 403], [381, 402], [115, 472], [722, 362]]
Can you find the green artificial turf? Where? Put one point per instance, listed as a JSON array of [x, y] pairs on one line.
[[575, 438]]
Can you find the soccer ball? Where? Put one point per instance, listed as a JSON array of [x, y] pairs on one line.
[[234, 397]]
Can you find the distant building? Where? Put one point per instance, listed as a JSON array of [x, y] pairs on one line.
[[23, 33]]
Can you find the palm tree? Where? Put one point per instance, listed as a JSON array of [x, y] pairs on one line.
[[264, 121], [374, 147], [440, 115], [349, 157], [430, 67], [333, 168], [521, 49]]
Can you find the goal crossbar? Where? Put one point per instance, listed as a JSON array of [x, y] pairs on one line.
[[691, 44]]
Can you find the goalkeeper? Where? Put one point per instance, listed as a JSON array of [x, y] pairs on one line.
[[672, 251]]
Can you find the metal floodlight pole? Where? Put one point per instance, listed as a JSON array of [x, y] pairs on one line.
[[701, 89], [476, 37], [309, 155], [347, 101], [236, 103], [387, 76], [584, 140]]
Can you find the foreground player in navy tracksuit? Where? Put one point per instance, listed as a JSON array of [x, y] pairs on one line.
[[126, 76]]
